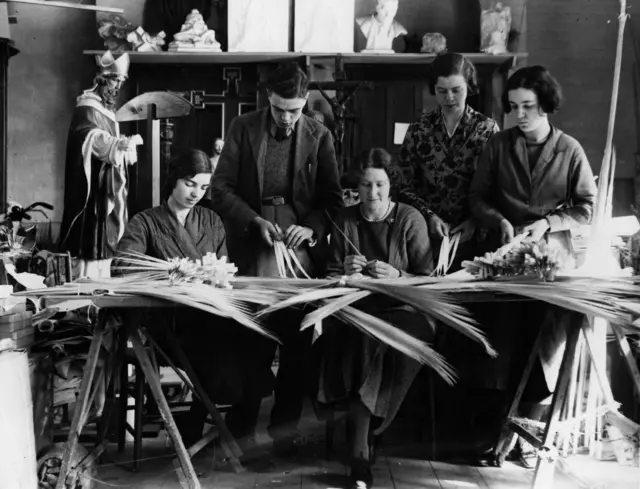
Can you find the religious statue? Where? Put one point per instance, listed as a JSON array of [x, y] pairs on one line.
[[195, 36], [142, 41], [433, 42], [380, 28], [339, 109], [495, 28], [218, 145], [96, 172]]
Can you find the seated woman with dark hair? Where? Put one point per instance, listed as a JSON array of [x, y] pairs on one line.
[[215, 346], [381, 239]]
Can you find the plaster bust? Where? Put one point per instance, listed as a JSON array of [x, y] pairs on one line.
[[195, 35], [380, 28]]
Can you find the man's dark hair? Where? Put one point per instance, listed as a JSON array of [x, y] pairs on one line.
[[288, 80], [539, 81]]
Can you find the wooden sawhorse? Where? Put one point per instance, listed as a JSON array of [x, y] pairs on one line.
[[69, 474], [545, 466]]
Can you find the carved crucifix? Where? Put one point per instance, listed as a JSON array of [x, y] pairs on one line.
[[345, 90]]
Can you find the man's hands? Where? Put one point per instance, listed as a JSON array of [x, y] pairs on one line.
[[267, 230], [293, 237]]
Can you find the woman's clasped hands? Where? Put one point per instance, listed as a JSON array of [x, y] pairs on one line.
[[354, 264]]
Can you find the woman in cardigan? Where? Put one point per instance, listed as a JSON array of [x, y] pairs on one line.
[[379, 239], [216, 347], [533, 179]]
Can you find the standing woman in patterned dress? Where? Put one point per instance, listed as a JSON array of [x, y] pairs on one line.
[[438, 159], [439, 154]]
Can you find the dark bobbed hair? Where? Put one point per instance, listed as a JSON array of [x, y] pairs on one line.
[[186, 164], [373, 158], [449, 64], [539, 81], [288, 80]]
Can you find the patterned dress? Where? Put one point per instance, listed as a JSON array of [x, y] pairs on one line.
[[437, 169]]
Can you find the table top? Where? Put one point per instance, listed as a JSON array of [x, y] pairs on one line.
[[119, 301]]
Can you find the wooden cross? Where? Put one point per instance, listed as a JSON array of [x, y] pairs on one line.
[[230, 100]]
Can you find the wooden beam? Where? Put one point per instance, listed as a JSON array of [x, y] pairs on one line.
[[44, 3]]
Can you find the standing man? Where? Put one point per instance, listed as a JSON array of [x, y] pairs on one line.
[[96, 173], [277, 178]]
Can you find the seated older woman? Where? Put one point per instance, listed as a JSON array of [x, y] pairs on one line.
[[380, 239], [216, 347]]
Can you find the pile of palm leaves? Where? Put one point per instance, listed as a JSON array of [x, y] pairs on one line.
[[249, 299]]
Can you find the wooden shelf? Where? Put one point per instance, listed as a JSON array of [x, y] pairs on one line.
[[166, 57]]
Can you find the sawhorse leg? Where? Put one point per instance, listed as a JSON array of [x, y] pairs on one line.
[[187, 476], [79, 414], [545, 466], [508, 437], [228, 442]]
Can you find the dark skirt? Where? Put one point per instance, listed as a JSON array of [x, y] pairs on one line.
[[512, 329], [354, 364], [228, 358]]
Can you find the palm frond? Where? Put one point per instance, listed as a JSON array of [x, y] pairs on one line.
[[612, 298], [333, 307], [208, 300], [434, 304], [398, 339], [307, 297]]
